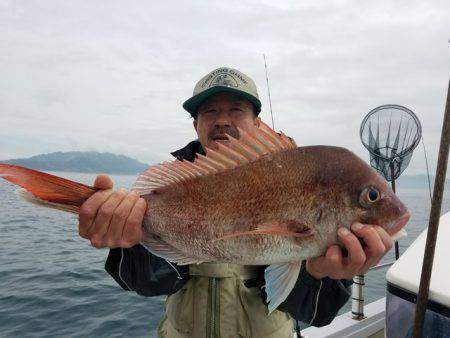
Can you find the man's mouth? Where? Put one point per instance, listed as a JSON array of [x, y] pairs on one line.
[[220, 137]]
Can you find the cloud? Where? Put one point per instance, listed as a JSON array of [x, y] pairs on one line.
[[90, 75]]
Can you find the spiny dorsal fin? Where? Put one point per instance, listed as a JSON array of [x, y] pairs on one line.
[[251, 145]]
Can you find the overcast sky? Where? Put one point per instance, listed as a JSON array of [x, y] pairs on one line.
[[111, 76]]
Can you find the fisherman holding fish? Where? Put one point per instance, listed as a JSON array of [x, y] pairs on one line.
[[245, 231], [221, 299]]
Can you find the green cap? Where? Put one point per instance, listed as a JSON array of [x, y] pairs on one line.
[[223, 79]]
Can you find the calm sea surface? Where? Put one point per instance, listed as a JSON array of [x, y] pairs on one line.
[[53, 283]]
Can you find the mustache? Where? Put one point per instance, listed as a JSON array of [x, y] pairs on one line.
[[219, 131]]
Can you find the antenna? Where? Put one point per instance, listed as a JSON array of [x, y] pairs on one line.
[[268, 90]]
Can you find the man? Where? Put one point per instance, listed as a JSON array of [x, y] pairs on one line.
[[222, 300]]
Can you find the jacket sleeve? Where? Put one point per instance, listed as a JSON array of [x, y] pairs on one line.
[[316, 302], [136, 269]]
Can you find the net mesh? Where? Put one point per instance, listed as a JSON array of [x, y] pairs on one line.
[[390, 133]]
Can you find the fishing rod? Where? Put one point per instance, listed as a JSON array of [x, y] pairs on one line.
[[268, 90], [433, 225]]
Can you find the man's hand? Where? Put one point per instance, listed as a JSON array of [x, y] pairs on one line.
[[112, 218], [334, 264]]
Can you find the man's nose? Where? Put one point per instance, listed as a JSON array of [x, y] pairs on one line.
[[223, 119]]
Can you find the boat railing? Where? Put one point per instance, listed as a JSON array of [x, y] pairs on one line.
[[358, 292]]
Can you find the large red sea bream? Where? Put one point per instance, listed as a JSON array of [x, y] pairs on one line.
[[256, 200]]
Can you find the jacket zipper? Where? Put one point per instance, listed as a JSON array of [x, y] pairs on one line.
[[213, 290], [317, 303]]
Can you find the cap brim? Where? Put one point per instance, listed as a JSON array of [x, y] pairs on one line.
[[194, 102]]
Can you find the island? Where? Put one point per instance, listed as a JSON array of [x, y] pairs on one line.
[[83, 162]]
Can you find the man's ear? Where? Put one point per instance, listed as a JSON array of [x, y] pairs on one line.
[[195, 125], [257, 121]]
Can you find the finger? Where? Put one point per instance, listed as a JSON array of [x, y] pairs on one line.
[[315, 267], [318, 267], [120, 215], [132, 233], [356, 256], [385, 237], [334, 262], [89, 209], [103, 182], [103, 218], [374, 249]]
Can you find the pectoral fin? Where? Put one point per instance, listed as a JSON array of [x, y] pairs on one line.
[[289, 228], [280, 280]]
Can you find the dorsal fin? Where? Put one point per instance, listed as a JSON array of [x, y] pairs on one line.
[[251, 145]]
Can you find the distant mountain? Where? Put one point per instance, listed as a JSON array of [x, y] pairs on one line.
[[85, 162]]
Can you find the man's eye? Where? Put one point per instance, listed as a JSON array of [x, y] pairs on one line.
[[209, 111]]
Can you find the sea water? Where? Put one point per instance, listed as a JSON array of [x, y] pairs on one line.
[[53, 282]]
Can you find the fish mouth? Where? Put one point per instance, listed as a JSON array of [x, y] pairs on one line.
[[399, 224]]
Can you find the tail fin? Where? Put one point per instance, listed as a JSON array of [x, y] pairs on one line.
[[47, 190]]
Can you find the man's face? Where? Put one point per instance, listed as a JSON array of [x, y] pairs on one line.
[[221, 114]]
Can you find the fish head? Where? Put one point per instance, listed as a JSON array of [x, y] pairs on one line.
[[360, 193], [380, 205]]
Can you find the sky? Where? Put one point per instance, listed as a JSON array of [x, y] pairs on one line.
[[111, 76]]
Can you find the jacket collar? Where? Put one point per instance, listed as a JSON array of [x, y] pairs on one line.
[[189, 151]]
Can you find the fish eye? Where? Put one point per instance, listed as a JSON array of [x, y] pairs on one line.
[[369, 196], [373, 195]]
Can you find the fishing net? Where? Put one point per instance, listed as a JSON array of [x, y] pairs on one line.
[[390, 133]]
